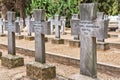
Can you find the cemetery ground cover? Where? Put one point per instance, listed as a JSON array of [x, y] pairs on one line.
[[110, 56], [63, 71]]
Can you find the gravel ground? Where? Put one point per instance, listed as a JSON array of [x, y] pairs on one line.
[[111, 56], [62, 70]]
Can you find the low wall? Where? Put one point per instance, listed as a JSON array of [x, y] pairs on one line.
[[102, 67]]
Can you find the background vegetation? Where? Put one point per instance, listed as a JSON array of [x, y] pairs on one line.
[[65, 7], [69, 7]]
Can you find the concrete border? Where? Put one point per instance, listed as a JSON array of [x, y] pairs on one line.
[[70, 61], [76, 43]]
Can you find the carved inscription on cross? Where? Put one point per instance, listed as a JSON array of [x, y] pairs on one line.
[[11, 27], [89, 30], [41, 27]]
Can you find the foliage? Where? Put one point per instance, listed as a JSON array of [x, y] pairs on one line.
[[69, 7]]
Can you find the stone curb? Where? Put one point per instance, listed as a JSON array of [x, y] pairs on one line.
[[70, 61]]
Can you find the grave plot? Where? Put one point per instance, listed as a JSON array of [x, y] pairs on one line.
[[64, 72], [62, 49]]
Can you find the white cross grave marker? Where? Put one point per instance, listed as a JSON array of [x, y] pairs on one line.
[[63, 21], [57, 24], [88, 29], [41, 27], [11, 27], [75, 18]]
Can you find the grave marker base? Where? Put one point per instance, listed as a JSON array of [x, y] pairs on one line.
[[2, 35], [57, 41], [63, 33], [19, 37], [0, 55], [12, 61], [103, 46], [40, 71], [29, 38], [46, 39], [74, 43]]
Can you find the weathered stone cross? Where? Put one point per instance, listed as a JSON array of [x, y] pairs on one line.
[[1, 26], [75, 18], [88, 30], [28, 26], [18, 21], [63, 21], [41, 27], [40, 69], [57, 24], [11, 27], [103, 23], [51, 26]]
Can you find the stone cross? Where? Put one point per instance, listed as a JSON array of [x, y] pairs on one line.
[[51, 21], [41, 27], [21, 23], [103, 23], [29, 26], [57, 24], [63, 21], [11, 27], [88, 29], [75, 18], [18, 21], [1, 26]]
